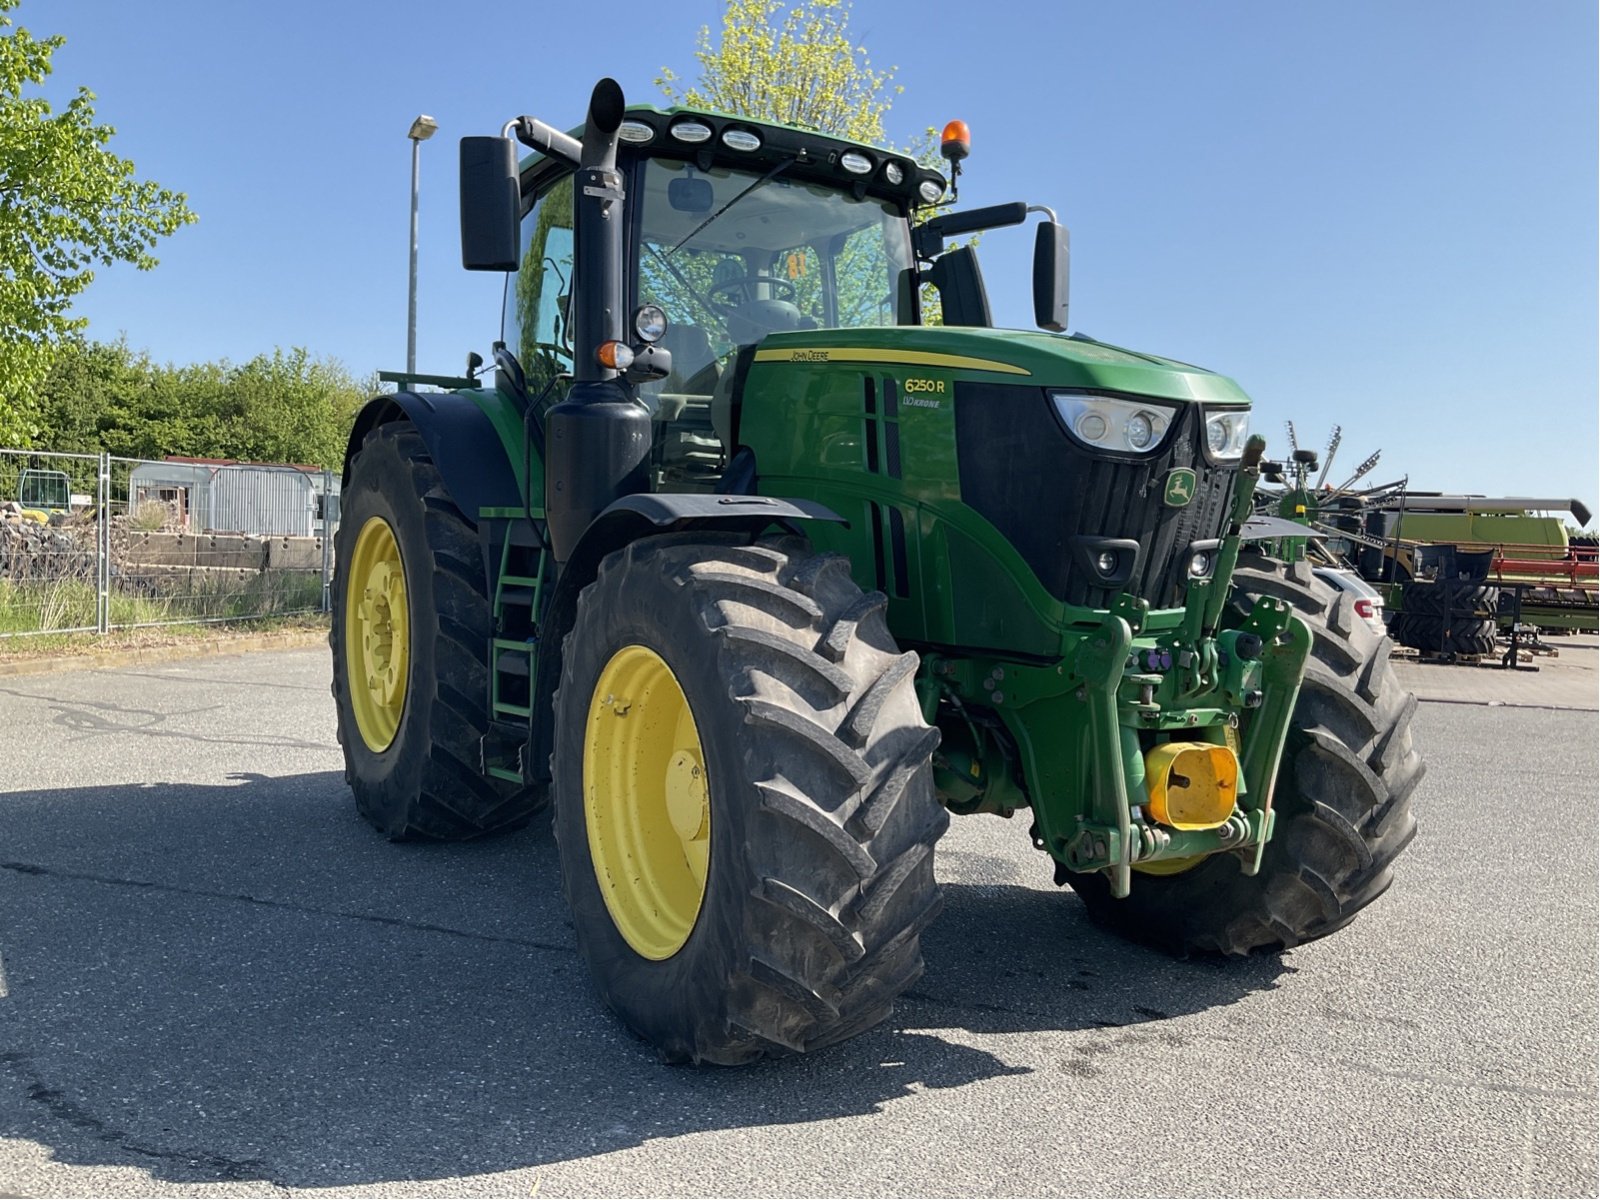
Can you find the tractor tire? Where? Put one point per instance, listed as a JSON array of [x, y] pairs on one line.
[[1422, 598], [1343, 799], [1474, 599], [783, 913], [412, 750], [1468, 636], [1427, 632]]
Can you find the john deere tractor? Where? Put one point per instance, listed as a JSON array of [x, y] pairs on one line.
[[756, 574]]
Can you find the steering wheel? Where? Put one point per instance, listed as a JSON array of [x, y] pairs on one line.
[[734, 292]]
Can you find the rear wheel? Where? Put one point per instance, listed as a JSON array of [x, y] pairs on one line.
[[411, 623], [744, 801], [1343, 798]]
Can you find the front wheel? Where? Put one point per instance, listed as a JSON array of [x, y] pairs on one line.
[[743, 798], [1343, 798]]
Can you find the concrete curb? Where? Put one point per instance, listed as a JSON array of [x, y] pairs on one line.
[[94, 660], [1507, 704]]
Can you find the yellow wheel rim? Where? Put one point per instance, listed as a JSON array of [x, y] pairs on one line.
[[1171, 866], [377, 634], [646, 802]]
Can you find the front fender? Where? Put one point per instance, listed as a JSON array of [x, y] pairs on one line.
[[624, 521]]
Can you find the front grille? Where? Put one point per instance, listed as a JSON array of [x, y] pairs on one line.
[[1044, 492]]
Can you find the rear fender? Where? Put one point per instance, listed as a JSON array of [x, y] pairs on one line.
[[472, 451]]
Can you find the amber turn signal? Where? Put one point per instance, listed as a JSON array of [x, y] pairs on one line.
[[615, 355]]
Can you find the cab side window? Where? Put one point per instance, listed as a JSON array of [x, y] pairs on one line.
[[538, 322]]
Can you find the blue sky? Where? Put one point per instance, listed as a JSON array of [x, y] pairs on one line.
[[1380, 213]]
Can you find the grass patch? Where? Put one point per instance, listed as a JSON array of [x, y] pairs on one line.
[[87, 645], [69, 603]]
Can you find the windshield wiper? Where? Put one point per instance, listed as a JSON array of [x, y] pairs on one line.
[[777, 170]]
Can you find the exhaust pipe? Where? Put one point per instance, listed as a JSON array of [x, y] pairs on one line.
[[598, 439]]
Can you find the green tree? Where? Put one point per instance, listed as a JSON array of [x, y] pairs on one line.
[[798, 65], [67, 205], [804, 69], [287, 407], [280, 407]]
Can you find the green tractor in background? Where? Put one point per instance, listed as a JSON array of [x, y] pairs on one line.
[[757, 578]]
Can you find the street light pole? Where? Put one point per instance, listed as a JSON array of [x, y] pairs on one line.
[[421, 130]]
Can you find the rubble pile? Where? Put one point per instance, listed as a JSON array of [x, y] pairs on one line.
[[35, 553]]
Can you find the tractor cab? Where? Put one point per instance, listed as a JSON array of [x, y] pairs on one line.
[[718, 257], [730, 231]]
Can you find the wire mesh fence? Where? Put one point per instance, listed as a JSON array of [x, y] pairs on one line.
[[92, 543]]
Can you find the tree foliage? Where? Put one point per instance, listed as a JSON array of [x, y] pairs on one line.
[[797, 64], [67, 205], [283, 407], [803, 69]]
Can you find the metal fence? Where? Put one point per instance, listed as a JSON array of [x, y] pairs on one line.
[[92, 543]]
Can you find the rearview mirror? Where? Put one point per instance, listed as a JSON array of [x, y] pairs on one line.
[[690, 195], [1051, 258], [491, 199]]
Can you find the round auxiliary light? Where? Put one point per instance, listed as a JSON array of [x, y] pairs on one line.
[[691, 131], [615, 355], [740, 139], [894, 173], [1216, 436], [650, 323], [856, 164], [1139, 431], [636, 132], [930, 190], [1106, 561], [1091, 427], [1200, 564]]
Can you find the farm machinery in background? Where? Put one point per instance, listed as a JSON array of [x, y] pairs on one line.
[[1455, 569], [1334, 515]]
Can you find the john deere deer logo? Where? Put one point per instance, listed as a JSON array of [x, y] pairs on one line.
[[1179, 489]]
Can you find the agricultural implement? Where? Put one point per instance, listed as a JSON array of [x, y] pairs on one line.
[[756, 576], [1513, 550]]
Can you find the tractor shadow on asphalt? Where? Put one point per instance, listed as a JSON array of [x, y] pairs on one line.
[[243, 982]]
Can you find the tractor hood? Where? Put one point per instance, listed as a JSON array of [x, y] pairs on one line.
[[1015, 356]]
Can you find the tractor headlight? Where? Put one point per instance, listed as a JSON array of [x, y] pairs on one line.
[[1226, 431], [1109, 423]]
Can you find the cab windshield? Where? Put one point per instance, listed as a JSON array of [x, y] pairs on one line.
[[732, 256]]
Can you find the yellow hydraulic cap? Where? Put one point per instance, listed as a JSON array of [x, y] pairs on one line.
[[1192, 785]]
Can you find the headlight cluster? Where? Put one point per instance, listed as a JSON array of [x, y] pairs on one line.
[[1105, 423], [1226, 432]]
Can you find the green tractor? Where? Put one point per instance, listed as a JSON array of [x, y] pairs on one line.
[[755, 577]]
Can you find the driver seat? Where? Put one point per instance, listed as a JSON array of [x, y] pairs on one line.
[[692, 358]]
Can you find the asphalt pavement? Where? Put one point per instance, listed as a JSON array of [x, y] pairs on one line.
[[216, 980]]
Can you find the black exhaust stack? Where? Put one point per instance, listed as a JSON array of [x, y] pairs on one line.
[[598, 438]]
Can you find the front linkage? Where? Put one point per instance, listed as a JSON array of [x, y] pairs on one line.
[[1152, 743]]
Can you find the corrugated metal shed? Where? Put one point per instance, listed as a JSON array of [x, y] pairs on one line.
[[221, 497]]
